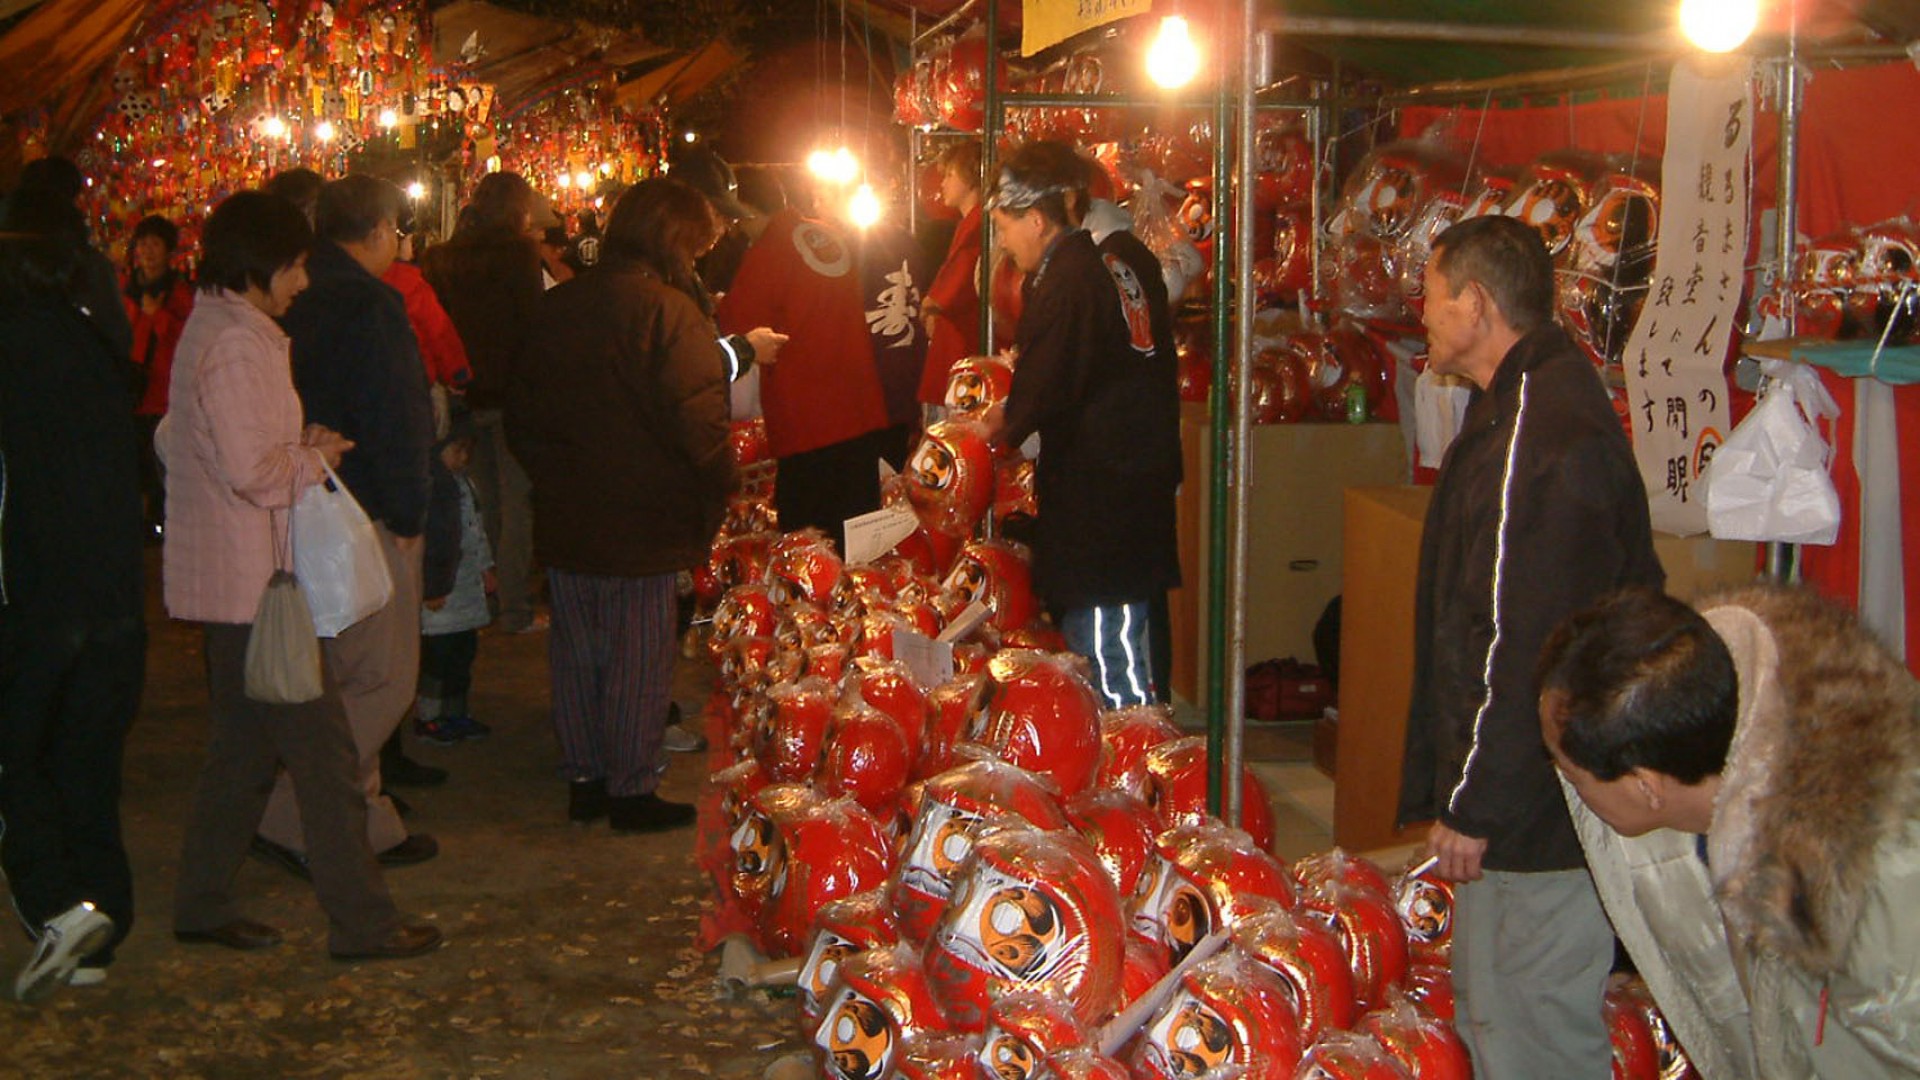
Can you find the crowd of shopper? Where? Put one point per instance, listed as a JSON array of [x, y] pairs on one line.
[[1730, 790]]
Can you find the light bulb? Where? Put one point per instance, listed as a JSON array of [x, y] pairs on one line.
[[1719, 26], [863, 209], [583, 180], [416, 190], [493, 163], [691, 136], [845, 166], [324, 131], [565, 180], [273, 127], [389, 118], [1173, 59], [820, 163]]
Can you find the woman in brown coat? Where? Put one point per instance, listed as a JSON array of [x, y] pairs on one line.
[[618, 410]]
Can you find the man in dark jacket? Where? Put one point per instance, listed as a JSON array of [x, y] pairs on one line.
[[1096, 385], [487, 276], [1538, 511], [72, 637], [357, 369]]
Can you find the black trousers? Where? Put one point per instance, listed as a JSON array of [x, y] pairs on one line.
[[823, 488], [446, 673], [69, 689]]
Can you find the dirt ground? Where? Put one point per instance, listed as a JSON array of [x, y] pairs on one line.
[[569, 950]]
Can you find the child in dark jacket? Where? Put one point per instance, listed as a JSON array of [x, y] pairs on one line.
[[458, 576]]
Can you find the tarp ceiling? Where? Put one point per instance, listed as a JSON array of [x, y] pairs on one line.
[[1412, 63]]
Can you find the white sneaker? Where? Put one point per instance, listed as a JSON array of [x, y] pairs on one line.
[[64, 941], [680, 740], [87, 976]]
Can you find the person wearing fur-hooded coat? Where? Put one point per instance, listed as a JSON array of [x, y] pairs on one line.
[[1772, 901]]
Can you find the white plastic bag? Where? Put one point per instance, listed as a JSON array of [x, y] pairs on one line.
[[1769, 480], [337, 557]]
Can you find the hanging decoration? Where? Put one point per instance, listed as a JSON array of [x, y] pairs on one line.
[[572, 142], [212, 98]]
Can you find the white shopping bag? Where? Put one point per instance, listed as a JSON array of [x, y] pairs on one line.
[[337, 557], [1769, 480]]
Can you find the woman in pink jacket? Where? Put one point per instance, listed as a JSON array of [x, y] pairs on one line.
[[237, 459]]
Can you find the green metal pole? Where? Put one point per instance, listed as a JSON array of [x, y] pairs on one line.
[[1224, 451]]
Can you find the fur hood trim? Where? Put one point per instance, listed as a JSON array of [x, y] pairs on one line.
[[1824, 767]]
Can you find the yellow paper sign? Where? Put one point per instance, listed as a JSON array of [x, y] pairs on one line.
[[1044, 23]]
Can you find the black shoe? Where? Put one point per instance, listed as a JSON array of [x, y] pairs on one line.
[[417, 848], [404, 942], [586, 801], [242, 934], [403, 771], [647, 813], [293, 862]]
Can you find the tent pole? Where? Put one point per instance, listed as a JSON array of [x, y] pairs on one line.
[[1781, 563], [1252, 56]]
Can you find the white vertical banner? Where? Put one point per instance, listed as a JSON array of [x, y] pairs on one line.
[[1675, 386]]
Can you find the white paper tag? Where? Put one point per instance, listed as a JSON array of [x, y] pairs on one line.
[[930, 661], [872, 535], [962, 624]]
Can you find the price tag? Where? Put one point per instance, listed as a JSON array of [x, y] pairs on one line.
[[930, 661], [870, 536]]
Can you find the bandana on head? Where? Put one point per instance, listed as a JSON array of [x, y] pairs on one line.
[[1015, 194]]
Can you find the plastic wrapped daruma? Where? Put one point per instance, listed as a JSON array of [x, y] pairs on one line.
[[1041, 715], [976, 384], [887, 685], [805, 567], [948, 1055], [954, 808], [745, 611], [1310, 963], [1368, 928], [1335, 864], [1177, 789], [1121, 830], [1425, 905], [796, 735], [1673, 1060], [844, 928], [1023, 1030], [867, 759], [1635, 1054], [1350, 1055], [998, 575], [1126, 735], [1229, 1011], [794, 851], [950, 477], [1030, 910], [879, 1003], [950, 712], [1425, 1044], [1083, 1063], [1203, 878], [1430, 986]]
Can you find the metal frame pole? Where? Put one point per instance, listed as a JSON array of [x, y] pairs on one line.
[[1251, 57], [989, 172], [1781, 563], [1222, 638]]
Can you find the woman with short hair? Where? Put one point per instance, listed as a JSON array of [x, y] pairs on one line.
[[237, 459]]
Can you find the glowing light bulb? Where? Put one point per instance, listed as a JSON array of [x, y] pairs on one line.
[[493, 163], [820, 163], [273, 127], [565, 180], [159, 163], [416, 190], [1719, 26], [1173, 59], [863, 209], [389, 118], [845, 166], [583, 180], [324, 131], [691, 136]]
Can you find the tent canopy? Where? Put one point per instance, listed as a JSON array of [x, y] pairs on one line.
[[1412, 62]]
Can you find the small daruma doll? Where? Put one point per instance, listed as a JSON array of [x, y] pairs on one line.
[[950, 477]]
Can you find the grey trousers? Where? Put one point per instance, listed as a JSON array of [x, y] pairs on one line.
[[1531, 953], [247, 742], [506, 509], [377, 663]]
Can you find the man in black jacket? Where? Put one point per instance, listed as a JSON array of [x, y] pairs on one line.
[[1094, 383], [1537, 512], [357, 368]]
